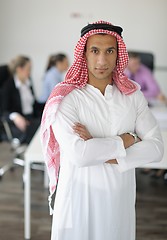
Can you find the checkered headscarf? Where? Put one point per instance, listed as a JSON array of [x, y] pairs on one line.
[[77, 77]]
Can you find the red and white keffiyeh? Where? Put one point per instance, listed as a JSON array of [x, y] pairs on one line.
[[77, 77]]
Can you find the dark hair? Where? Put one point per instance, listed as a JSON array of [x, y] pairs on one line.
[[133, 54], [54, 59], [19, 61]]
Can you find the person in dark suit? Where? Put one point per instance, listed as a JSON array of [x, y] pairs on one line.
[[19, 105]]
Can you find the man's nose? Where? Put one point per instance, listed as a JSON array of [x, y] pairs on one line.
[[101, 59]]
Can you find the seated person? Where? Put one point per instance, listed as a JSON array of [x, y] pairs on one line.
[[18, 101], [144, 77], [57, 65]]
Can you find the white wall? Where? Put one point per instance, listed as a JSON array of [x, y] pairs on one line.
[[38, 28]]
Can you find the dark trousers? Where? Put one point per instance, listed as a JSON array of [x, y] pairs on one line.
[[25, 137]]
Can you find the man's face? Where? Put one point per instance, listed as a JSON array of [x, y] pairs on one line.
[[24, 72], [101, 56]]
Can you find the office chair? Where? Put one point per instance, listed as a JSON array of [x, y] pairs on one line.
[[147, 58], [4, 74], [18, 151]]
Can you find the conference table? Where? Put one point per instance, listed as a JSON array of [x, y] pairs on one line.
[[160, 113], [34, 154]]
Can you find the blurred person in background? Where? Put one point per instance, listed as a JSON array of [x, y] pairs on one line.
[[57, 65], [150, 88], [144, 77], [19, 105]]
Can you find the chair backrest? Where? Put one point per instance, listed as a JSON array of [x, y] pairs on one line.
[[147, 58], [4, 76]]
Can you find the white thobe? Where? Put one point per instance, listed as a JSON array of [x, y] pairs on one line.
[[96, 200]]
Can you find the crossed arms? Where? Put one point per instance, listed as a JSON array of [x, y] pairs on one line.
[[78, 146], [82, 131]]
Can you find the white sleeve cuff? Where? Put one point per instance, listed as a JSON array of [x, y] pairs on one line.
[[121, 148], [122, 166], [13, 115]]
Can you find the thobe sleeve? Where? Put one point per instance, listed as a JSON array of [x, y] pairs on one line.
[[150, 149], [83, 153]]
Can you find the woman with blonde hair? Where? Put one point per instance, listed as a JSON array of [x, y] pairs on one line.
[[19, 104]]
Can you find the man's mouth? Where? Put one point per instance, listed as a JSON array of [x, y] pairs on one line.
[[101, 69]]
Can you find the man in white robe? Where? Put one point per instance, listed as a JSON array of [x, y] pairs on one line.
[[103, 129]]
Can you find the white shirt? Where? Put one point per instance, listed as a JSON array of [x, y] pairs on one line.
[[95, 200], [26, 96]]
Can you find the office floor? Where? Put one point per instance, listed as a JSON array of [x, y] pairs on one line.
[[151, 205]]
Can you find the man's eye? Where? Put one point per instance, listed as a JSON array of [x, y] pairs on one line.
[[110, 51], [94, 51]]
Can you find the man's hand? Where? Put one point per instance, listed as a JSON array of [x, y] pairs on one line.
[[82, 131], [128, 139], [113, 161], [162, 98], [20, 122]]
